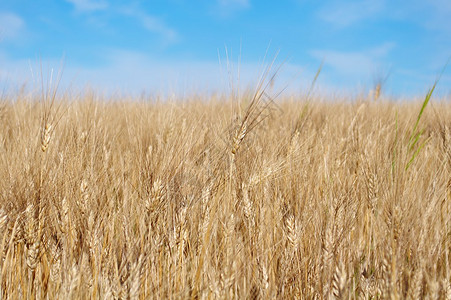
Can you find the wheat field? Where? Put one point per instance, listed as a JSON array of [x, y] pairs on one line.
[[215, 198]]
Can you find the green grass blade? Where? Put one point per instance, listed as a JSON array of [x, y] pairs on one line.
[[425, 103], [415, 154]]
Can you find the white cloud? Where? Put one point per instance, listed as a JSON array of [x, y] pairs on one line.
[[351, 69], [132, 72], [348, 70], [382, 50], [346, 62], [343, 14], [149, 22], [227, 8], [355, 62], [152, 24], [135, 71], [442, 5], [235, 3], [439, 12], [88, 5], [16, 72], [10, 25]]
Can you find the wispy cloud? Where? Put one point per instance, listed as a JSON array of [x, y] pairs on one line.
[[440, 12], [152, 24], [344, 14], [133, 72], [89, 5], [226, 8], [10, 25], [235, 3], [348, 70], [355, 62], [443, 5]]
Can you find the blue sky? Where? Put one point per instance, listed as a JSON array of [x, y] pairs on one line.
[[174, 45]]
